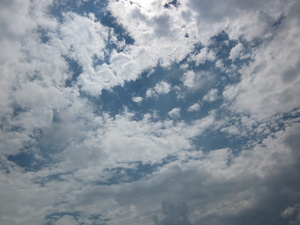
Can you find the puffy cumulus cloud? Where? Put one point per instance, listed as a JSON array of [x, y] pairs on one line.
[[174, 113], [189, 78], [194, 107], [137, 99], [271, 83], [198, 80], [160, 88], [204, 55], [84, 39], [162, 33]]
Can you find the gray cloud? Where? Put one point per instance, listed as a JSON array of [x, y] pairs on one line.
[[176, 214]]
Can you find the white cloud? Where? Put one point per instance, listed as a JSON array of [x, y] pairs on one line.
[[160, 88], [174, 113], [39, 114], [269, 85], [194, 107], [137, 99], [204, 55], [211, 96], [189, 78], [236, 52], [202, 80], [144, 23]]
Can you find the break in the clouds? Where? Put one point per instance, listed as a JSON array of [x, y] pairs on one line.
[[149, 112]]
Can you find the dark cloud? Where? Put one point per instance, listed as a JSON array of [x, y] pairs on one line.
[[162, 25], [174, 214]]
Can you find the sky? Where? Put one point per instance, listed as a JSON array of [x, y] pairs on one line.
[[157, 112]]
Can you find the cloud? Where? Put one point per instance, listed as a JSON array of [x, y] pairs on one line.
[[174, 113], [160, 88], [265, 87], [173, 214], [162, 34], [66, 158], [211, 96], [194, 81], [236, 51], [204, 55], [292, 212], [137, 99], [194, 107], [216, 186], [65, 221], [189, 78]]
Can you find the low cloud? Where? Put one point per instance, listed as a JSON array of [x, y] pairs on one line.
[[160, 88]]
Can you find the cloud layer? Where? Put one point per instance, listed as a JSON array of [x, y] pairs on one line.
[[149, 112]]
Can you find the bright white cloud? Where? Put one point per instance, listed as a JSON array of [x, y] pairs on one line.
[[160, 88]]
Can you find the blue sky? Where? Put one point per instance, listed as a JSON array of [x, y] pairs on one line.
[[180, 112]]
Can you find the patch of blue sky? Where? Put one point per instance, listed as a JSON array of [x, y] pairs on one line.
[[108, 20], [139, 171], [40, 151], [18, 109], [43, 35], [75, 70], [27, 161], [173, 3], [114, 101], [80, 7], [221, 45], [78, 216]]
